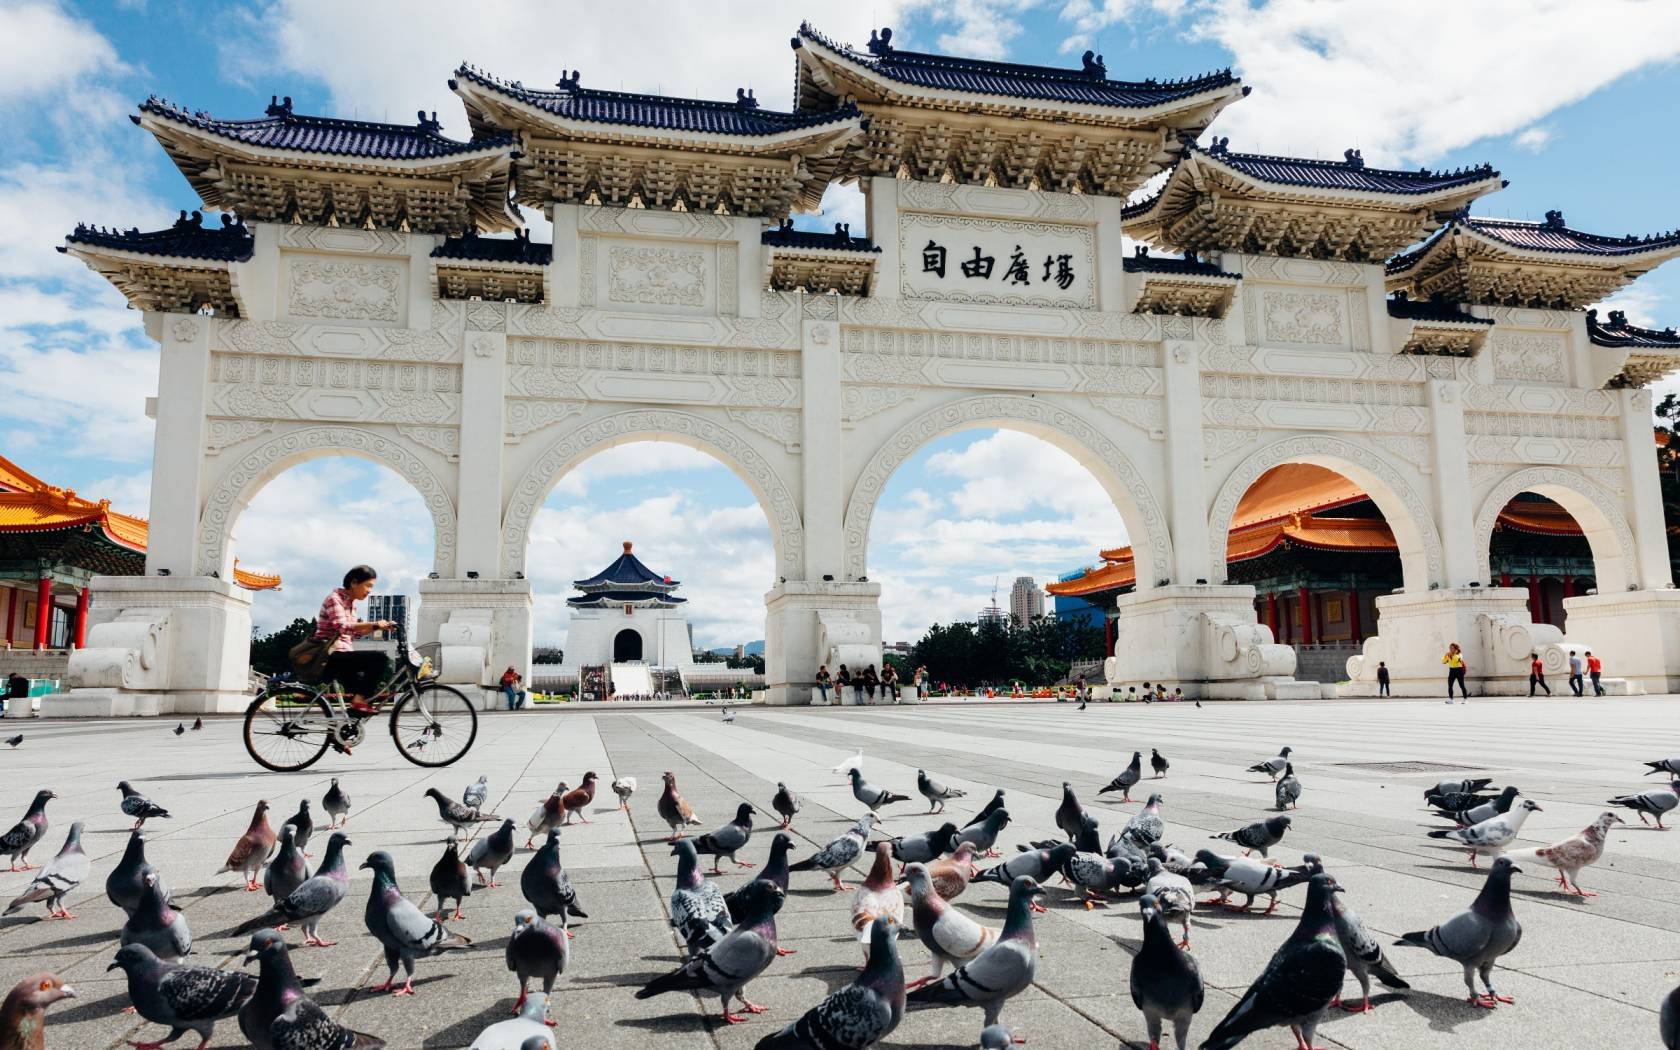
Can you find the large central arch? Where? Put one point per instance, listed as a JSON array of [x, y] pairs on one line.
[[1145, 523], [1594, 509], [684, 428]]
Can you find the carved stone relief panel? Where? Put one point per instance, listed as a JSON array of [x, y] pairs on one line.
[[676, 278], [1300, 318], [1529, 357], [996, 202], [348, 289]]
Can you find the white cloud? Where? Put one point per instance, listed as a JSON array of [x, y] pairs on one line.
[[45, 50], [1534, 139], [978, 28], [648, 457], [1640, 303]]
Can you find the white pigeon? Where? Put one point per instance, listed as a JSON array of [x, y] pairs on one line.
[[624, 787], [1491, 835], [855, 762], [1573, 853], [513, 1033]]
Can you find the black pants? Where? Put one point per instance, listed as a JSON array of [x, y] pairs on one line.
[[361, 672], [1576, 684], [1382, 687], [1598, 690], [1538, 680], [1456, 674]]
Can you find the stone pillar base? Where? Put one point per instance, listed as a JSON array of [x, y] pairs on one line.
[[161, 645], [1635, 633], [1203, 639], [1491, 625], [811, 623], [482, 628]]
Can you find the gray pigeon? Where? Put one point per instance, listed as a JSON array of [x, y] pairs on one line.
[[1127, 779], [1271, 766], [1364, 952], [1247, 877], [139, 806], [1287, 791], [870, 795], [727, 840], [786, 804], [1036, 864], [1147, 827], [476, 793], [1484, 811], [775, 871], [279, 1016], [157, 925], [545, 885], [406, 932], [919, 849], [490, 853], [302, 825], [127, 881], [310, 902], [859, 1014], [936, 793], [699, 913], [1175, 897], [336, 803], [949, 935], [528, 1030], [1666, 766], [1491, 835], [1668, 1021], [1069, 815], [1656, 803], [986, 810], [181, 998], [1262, 835], [984, 835], [997, 974], [457, 816], [1301, 979], [1456, 800], [1448, 786], [1166, 984], [449, 879], [58, 878], [1478, 937], [17, 842], [726, 968], [834, 857], [288, 870], [537, 950]]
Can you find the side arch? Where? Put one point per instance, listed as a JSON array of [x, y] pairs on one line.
[[684, 428], [1594, 509], [239, 484], [1407, 512], [1139, 509]]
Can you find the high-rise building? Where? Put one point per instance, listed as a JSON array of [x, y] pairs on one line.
[[393, 607], [1026, 601]]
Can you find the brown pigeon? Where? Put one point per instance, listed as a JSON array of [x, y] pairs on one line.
[[576, 800], [23, 1016], [950, 875], [253, 848], [546, 816], [674, 809]]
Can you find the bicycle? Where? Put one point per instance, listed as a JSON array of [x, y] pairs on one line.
[[290, 724]]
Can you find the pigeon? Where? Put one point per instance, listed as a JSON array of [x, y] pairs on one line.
[[545, 885], [1096, 876], [302, 824], [1147, 826], [198, 723], [1477, 937], [23, 1015], [1301, 979], [1175, 897], [1069, 815], [404, 930], [1573, 853], [310, 902], [910, 849], [336, 804], [1667, 766], [477, 793], [950, 875], [727, 967], [725, 841], [1165, 981], [986, 810], [847, 765], [786, 804], [834, 857], [1363, 952], [1271, 766], [1128, 777], [457, 816], [1668, 1021], [127, 881], [538, 950], [728, 716], [180, 728], [936, 793], [775, 872], [1158, 763], [288, 870], [1036, 864], [279, 1016], [1656, 803], [490, 853], [1262, 835], [699, 913], [624, 787], [25, 833], [1287, 790], [878, 895], [181, 998], [578, 799], [1456, 800], [999, 973], [14, 741], [157, 925], [545, 816], [1492, 835], [949, 935], [983, 836], [859, 1014], [449, 879], [1247, 877], [57, 878], [139, 806], [1484, 811], [872, 796], [252, 849], [674, 809], [527, 1030], [1449, 786]]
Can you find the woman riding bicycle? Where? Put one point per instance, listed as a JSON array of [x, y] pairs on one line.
[[360, 672]]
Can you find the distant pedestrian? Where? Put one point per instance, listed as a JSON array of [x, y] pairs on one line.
[[889, 683], [1131, 694], [1537, 674], [842, 682], [1178, 693], [920, 681], [1455, 672], [1595, 668], [1575, 681], [17, 690], [824, 682], [511, 690], [870, 680], [1382, 678]]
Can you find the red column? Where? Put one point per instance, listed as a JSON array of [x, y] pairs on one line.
[[1534, 610], [1353, 614], [78, 630], [1108, 635], [1504, 579], [1306, 616], [43, 612], [11, 612], [1569, 586], [1272, 614]]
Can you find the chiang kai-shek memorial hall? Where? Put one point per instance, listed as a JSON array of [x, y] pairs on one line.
[[368, 290]]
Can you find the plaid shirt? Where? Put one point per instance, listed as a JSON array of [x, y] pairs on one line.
[[337, 617]]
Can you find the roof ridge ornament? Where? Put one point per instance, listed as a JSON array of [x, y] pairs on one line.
[[279, 108], [1221, 145], [745, 98], [1094, 66], [1353, 158], [431, 123], [880, 44], [569, 79], [1554, 219]]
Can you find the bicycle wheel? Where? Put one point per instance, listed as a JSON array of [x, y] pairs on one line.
[[434, 725], [287, 729]]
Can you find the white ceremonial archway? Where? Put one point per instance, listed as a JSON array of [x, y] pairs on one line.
[[1595, 510]]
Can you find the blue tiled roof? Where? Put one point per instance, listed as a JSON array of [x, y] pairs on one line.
[[284, 130], [1143, 262], [516, 249], [1430, 310], [1087, 86], [1553, 236], [1618, 333], [1349, 173], [841, 240], [620, 597], [741, 117], [189, 238], [625, 571]]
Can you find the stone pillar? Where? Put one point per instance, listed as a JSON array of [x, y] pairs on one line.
[[821, 466], [1490, 623], [1186, 473], [43, 610], [481, 627], [813, 622], [1644, 492], [478, 504], [1204, 638], [881, 204], [1450, 468], [78, 628], [178, 445]]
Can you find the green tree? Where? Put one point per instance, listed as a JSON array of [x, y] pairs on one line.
[[998, 652], [268, 653]]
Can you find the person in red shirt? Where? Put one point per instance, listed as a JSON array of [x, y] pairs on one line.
[[510, 689], [360, 672], [1595, 667], [1537, 674]]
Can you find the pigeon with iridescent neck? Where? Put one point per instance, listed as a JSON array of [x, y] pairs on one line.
[[405, 932], [949, 935], [23, 835], [490, 853], [999, 973], [127, 881], [182, 998], [337, 805], [1365, 957], [546, 886], [1165, 982], [288, 870], [527, 1030], [699, 913], [536, 950], [279, 1016], [310, 902], [1299, 982], [1478, 937], [727, 967], [59, 877], [157, 925], [859, 1014]]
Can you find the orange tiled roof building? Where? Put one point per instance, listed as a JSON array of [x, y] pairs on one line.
[[52, 542]]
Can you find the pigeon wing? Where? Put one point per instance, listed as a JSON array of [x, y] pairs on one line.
[[411, 929], [199, 993], [305, 1026], [315, 897], [854, 1016]]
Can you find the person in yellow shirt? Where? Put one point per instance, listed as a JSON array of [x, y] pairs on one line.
[[1455, 672]]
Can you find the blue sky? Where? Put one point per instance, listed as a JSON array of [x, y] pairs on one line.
[[1569, 99]]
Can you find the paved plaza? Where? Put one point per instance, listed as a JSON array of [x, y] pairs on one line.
[[1587, 973]]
